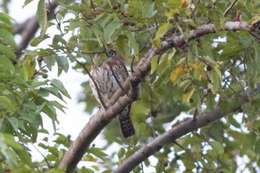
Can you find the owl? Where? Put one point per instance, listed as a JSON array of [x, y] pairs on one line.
[[109, 77]]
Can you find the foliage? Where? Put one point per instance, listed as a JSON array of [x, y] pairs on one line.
[[181, 83]]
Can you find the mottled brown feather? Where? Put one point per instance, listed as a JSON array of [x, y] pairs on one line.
[[108, 85]]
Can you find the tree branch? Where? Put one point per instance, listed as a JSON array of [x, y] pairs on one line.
[[181, 129], [119, 101], [229, 7]]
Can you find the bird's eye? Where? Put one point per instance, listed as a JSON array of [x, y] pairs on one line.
[[111, 53]]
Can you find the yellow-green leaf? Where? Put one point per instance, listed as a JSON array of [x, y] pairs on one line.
[[29, 67], [215, 77], [187, 96], [161, 31], [177, 73], [154, 64], [198, 70]]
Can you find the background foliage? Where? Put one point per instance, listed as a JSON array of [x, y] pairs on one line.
[[205, 73]]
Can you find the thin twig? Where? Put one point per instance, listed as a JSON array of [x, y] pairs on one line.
[[44, 158], [179, 145], [132, 64], [39, 70], [142, 167], [230, 7], [195, 114]]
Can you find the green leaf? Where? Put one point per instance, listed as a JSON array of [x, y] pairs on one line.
[[122, 44], [9, 155], [110, 29], [234, 122], [54, 151], [13, 152], [58, 105], [50, 61], [257, 146], [121, 153], [216, 131], [140, 110], [42, 16], [215, 77], [7, 38], [98, 152], [217, 148], [149, 9], [29, 67], [63, 64], [58, 39], [5, 18], [232, 46], [37, 40], [7, 51], [142, 9], [143, 130], [135, 8], [64, 140], [133, 44], [98, 33], [87, 170], [50, 112], [53, 90], [7, 104], [14, 123], [5, 22], [58, 84]]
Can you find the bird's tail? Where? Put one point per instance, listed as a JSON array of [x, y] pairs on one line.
[[126, 124]]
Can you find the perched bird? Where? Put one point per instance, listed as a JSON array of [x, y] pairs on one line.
[[109, 77]]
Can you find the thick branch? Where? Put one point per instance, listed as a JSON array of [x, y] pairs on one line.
[[181, 129], [119, 101]]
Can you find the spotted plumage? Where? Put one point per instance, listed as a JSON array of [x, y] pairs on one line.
[[108, 77]]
